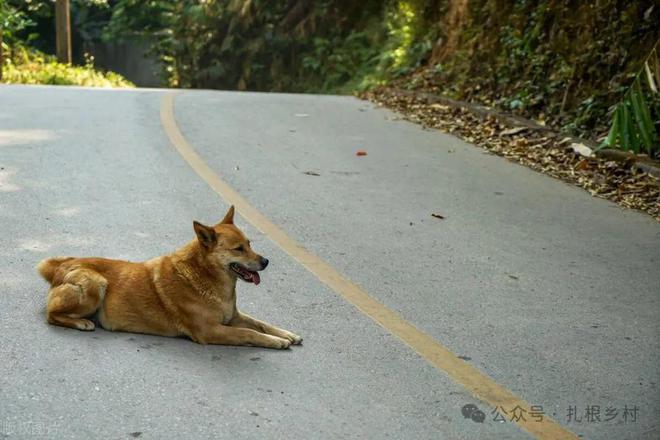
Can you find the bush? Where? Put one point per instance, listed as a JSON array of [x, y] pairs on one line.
[[28, 66]]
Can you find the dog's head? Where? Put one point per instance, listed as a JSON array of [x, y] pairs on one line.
[[224, 245]]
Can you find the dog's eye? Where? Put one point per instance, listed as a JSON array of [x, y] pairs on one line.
[[239, 249]]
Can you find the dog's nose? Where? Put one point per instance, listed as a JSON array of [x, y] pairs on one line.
[[264, 262]]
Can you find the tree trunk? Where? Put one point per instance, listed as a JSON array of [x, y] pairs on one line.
[[63, 31]]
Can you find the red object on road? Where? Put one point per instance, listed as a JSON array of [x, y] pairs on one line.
[[361, 153]]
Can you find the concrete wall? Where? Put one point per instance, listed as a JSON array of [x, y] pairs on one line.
[[129, 60]]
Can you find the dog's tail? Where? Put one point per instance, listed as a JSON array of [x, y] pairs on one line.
[[48, 267]]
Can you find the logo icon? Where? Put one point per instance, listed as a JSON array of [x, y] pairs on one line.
[[471, 411]]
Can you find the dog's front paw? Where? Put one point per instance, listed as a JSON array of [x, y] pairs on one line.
[[279, 343], [85, 325], [294, 338]]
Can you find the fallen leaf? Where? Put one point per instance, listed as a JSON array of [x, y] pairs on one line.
[[582, 165], [439, 106], [520, 143], [582, 149], [512, 131]]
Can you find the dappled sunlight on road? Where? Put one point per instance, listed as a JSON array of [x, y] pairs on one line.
[[5, 184], [34, 245], [67, 212], [24, 137], [60, 241]]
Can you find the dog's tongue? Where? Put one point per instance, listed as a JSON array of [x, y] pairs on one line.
[[256, 279]]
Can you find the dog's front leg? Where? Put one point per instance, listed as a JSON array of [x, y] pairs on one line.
[[242, 320], [226, 335]]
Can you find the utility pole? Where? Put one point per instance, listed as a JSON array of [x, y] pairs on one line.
[[63, 31]]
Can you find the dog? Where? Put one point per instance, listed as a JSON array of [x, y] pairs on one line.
[[190, 293]]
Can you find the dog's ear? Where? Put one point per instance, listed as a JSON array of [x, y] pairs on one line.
[[229, 217], [205, 234]]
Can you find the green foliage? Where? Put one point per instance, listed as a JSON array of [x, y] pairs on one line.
[[565, 63], [340, 64], [294, 45], [37, 27], [406, 36], [407, 41], [633, 126], [12, 22], [27, 66]]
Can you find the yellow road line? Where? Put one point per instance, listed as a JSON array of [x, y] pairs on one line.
[[480, 385]]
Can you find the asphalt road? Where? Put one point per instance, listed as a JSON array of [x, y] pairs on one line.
[[553, 294]]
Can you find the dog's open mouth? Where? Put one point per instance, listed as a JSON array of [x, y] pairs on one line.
[[246, 275]]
